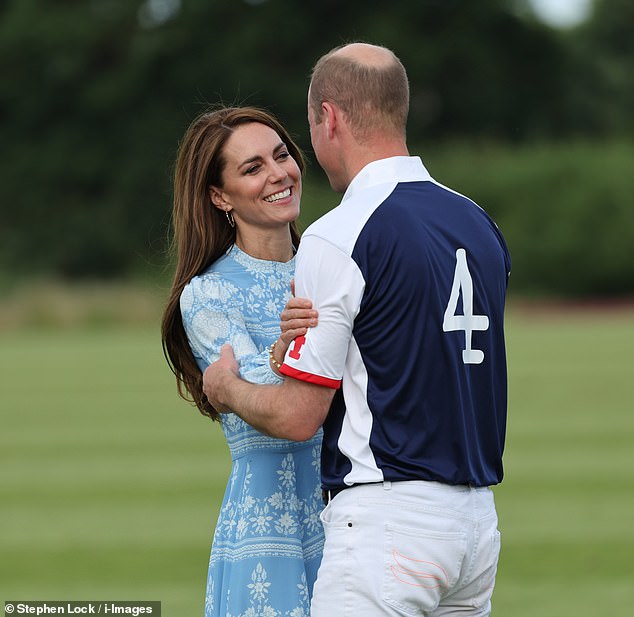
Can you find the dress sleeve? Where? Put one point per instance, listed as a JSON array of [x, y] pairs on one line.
[[211, 318]]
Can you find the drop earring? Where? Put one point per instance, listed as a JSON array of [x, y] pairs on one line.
[[230, 220]]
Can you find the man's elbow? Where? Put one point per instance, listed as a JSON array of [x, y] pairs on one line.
[[298, 431], [303, 434], [301, 422]]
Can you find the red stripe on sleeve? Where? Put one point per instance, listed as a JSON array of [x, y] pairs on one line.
[[309, 377]]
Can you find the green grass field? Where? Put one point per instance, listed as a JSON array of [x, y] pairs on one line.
[[110, 484]]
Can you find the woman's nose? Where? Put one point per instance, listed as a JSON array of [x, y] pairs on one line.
[[278, 172]]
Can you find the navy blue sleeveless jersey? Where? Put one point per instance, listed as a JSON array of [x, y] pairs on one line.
[[409, 278]]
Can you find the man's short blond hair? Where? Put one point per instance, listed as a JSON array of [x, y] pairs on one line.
[[373, 96]]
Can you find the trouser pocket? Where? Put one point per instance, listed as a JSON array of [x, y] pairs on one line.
[[420, 566]]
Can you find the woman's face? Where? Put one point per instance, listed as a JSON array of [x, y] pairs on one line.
[[262, 182]]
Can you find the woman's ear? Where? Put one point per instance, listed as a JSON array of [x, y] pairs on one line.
[[217, 198]]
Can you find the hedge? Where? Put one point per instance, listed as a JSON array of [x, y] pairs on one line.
[[565, 209]]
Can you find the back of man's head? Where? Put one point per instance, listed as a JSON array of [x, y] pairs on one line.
[[368, 83]]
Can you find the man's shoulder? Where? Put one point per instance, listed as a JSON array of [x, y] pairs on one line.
[[342, 225], [325, 222]]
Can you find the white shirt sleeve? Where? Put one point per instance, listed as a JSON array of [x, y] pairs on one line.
[[333, 282]]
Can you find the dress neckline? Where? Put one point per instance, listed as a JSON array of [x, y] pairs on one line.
[[260, 264]]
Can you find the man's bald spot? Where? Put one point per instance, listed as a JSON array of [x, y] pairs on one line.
[[367, 54]]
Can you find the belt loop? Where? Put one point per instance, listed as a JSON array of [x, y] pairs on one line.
[[387, 485]]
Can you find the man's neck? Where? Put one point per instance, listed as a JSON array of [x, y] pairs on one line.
[[363, 154]]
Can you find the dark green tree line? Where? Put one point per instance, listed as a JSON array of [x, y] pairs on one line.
[[95, 95]]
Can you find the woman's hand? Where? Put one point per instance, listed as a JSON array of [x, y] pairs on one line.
[[298, 315]]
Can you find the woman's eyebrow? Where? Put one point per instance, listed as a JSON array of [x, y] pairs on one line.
[[258, 157]]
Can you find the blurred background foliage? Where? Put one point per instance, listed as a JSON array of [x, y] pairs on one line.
[[534, 123]]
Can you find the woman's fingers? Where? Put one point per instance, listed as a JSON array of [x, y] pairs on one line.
[[288, 336]]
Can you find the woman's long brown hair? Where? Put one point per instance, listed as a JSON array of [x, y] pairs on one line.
[[201, 232]]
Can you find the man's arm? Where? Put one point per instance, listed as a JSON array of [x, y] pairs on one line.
[[291, 410]]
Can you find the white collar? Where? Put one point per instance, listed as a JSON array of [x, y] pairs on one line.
[[388, 171]]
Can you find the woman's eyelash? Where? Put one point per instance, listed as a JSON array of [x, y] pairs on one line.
[[281, 155]]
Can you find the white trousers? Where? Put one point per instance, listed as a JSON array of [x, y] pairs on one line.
[[408, 548]]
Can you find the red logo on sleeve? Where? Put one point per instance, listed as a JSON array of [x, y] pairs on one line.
[[297, 345]]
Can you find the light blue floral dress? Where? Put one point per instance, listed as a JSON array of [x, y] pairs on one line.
[[268, 538]]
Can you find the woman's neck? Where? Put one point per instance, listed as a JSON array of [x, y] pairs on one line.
[[265, 245]]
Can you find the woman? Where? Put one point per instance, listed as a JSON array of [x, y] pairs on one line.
[[236, 198]]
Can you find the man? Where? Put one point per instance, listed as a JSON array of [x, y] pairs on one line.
[[406, 368]]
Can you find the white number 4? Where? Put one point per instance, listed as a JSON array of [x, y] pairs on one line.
[[468, 322]]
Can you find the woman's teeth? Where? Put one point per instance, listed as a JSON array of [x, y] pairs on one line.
[[280, 195]]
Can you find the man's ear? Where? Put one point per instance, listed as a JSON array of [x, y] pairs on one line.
[[330, 114]]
